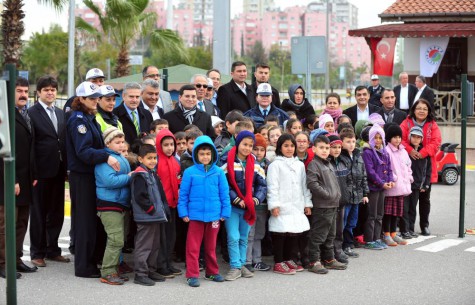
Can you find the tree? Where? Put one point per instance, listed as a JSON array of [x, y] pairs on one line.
[[123, 22], [257, 53]]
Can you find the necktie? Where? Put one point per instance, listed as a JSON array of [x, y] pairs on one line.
[[265, 112], [136, 122], [26, 117], [53, 117], [200, 104]]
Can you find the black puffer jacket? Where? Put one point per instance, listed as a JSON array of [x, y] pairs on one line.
[[357, 182]]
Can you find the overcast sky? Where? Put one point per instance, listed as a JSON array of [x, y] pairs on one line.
[[39, 17]]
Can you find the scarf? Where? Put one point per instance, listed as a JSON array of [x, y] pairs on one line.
[[188, 114], [390, 114], [335, 114], [296, 106], [250, 214]]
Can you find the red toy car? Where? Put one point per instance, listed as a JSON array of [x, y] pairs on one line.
[[448, 166]]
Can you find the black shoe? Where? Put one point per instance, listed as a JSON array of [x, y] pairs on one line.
[[414, 234], [22, 267], [175, 271], [406, 235], [425, 231], [342, 260], [4, 275], [144, 280], [249, 267], [350, 253], [156, 277], [166, 273]]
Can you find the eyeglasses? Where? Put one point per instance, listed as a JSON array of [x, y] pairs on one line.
[[153, 75], [422, 109], [210, 88], [199, 86]]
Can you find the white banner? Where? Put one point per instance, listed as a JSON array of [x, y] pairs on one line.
[[432, 52]]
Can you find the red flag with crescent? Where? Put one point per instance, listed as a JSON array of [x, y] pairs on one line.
[[383, 52]]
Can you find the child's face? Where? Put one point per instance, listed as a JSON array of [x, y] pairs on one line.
[[378, 141], [272, 123], [160, 127], [416, 140], [149, 160], [349, 144], [149, 141], [259, 152], [322, 150], [395, 141], [335, 150], [180, 146], [124, 152], [189, 144], [117, 144], [302, 143], [274, 135], [245, 148], [288, 149], [218, 129], [265, 133], [231, 127], [204, 156], [344, 120], [296, 127], [168, 146], [330, 127]]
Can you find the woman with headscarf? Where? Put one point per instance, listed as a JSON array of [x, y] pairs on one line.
[[297, 102]]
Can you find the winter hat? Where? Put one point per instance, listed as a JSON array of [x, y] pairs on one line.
[[392, 130], [317, 132], [260, 141], [110, 133], [417, 131], [334, 139], [215, 121], [244, 134], [323, 119], [376, 118], [372, 134]]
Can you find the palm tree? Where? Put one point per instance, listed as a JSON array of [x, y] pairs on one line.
[[13, 27], [123, 22]]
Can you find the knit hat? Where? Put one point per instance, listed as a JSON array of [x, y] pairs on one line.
[[376, 118], [260, 141], [392, 130], [334, 139], [110, 133], [244, 134], [417, 131], [376, 129], [317, 132], [323, 119], [215, 120]]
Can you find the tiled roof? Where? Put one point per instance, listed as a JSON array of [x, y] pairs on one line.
[[420, 8], [411, 30]]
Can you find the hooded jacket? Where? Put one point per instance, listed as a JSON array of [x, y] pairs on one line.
[[204, 190], [402, 172], [303, 110], [168, 169]]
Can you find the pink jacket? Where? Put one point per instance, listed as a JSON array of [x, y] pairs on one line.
[[402, 172]]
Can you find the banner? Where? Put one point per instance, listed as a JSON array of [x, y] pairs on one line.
[[383, 51], [432, 52]]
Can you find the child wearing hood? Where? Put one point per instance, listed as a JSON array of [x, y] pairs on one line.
[[203, 203], [297, 102]]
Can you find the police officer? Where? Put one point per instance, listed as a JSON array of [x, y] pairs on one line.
[[375, 91], [104, 116], [85, 148]]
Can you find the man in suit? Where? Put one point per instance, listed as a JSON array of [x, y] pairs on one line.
[[388, 111], [134, 119], [150, 94], [237, 94], [47, 210], [362, 109], [164, 98], [375, 91], [424, 91], [262, 76], [404, 93], [186, 113], [24, 182], [201, 84]]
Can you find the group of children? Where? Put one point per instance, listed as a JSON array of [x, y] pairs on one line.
[[303, 190]]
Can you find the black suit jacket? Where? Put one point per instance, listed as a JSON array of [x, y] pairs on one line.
[[50, 149], [411, 94], [177, 122], [209, 107], [353, 114], [398, 117], [275, 95], [428, 94], [230, 97], [145, 119]]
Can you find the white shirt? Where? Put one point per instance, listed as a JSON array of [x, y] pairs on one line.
[[243, 88], [362, 114], [154, 112], [404, 98], [418, 95], [47, 111]]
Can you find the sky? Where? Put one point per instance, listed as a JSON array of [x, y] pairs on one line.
[[40, 17]]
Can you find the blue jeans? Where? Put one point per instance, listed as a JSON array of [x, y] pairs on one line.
[[238, 231], [350, 220]]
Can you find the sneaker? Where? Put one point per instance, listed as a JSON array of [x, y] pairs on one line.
[[193, 282], [166, 273], [175, 271], [246, 272], [342, 259], [249, 267], [334, 264], [381, 243], [389, 241], [112, 279], [372, 245], [143, 280], [317, 268], [406, 235], [348, 251], [414, 234], [156, 277], [233, 274], [261, 267], [283, 268], [124, 268], [400, 241], [292, 265], [215, 278]]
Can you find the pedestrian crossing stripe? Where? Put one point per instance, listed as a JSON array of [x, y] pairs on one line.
[[472, 249], [419, 239], [441, 245]]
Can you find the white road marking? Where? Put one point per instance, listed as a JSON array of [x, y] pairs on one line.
[[419, 239], [441, 245], [472, 249]]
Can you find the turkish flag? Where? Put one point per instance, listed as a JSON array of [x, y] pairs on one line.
[[383, 51]]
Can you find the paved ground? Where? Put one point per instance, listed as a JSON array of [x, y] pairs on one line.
[[436, 270]]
